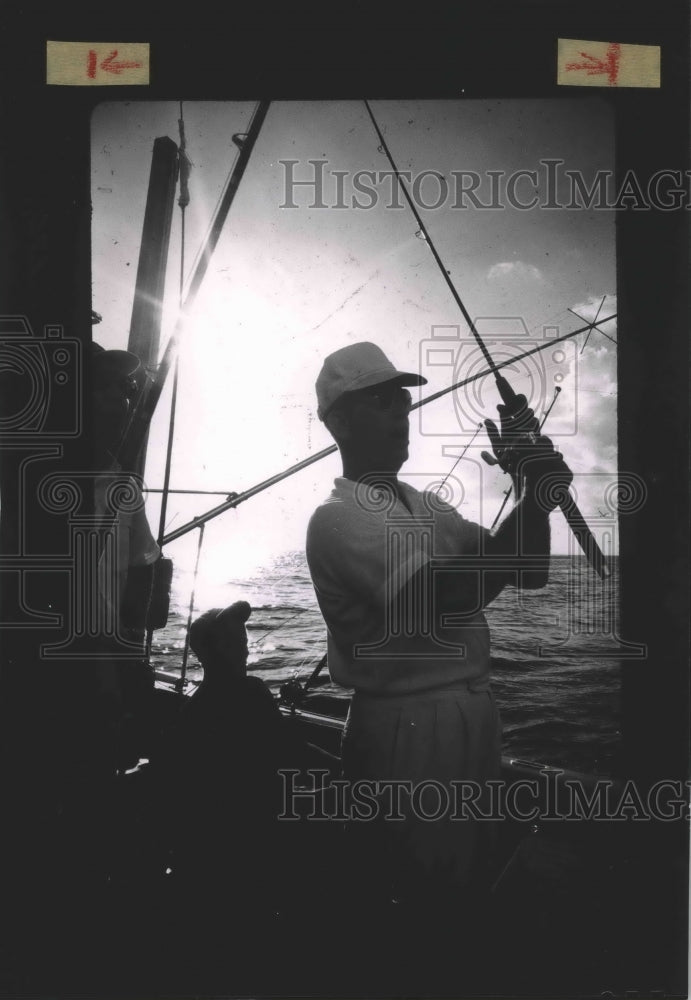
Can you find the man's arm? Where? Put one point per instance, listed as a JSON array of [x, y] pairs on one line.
[[520, 547], [518, 552]]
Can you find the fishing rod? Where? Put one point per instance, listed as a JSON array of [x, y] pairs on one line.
[[571, 512], [213, 493], [239, 498], [140, 419]]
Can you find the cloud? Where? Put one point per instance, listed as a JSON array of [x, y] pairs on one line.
[[516, 268]]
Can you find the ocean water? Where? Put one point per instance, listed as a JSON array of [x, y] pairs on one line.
[[556, 667]]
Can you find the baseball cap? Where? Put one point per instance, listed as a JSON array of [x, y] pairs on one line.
[[357, 366], [204, 628], [123, 362]]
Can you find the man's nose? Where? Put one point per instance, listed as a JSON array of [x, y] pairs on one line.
[[401, 405], [399, 419]]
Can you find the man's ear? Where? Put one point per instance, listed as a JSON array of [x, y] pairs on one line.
[[338, 425]]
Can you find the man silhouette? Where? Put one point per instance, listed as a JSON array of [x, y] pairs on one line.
[[411, 641]]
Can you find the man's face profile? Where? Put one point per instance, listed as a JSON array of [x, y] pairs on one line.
[[373, 425]]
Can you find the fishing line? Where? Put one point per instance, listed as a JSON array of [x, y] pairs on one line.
[[462, 455], [423, 231], [172, 520], [255, 642], [567, 504]]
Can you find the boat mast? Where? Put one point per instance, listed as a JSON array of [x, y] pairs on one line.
[[140, 418], [145, 325], [183, 202]]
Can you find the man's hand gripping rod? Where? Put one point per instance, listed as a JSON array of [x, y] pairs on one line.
[[575, 519], [491, 460]]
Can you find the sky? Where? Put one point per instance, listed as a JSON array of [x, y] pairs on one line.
[[288, 285]]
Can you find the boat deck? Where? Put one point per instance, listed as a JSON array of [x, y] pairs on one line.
[[576, 908]]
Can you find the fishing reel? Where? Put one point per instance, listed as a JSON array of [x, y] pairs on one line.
[[520, 429], [292, 693]]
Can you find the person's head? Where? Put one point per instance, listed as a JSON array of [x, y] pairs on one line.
[[114, 386], [363, 401], [218, 638]]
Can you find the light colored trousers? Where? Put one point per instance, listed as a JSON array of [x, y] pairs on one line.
[[428, 740]]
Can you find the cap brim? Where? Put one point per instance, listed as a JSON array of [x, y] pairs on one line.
[[239, 612], [376, 378], [379, 378]]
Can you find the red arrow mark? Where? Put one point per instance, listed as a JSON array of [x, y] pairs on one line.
[[594, 66], [109, 65]]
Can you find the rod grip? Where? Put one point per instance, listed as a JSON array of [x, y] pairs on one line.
[[585, 537], [505, 391]]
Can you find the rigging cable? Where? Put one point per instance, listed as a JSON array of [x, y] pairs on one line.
[[209, 228], [185, 299], [140, 419], [185, 652], [183, 202]]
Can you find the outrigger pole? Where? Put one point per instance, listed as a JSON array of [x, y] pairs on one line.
[[571, 512], [235, 499], [137, 427]]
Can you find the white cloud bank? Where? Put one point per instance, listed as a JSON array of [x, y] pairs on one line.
[[516, 268]]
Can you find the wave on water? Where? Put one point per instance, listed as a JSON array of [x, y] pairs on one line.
[[555, 666]]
